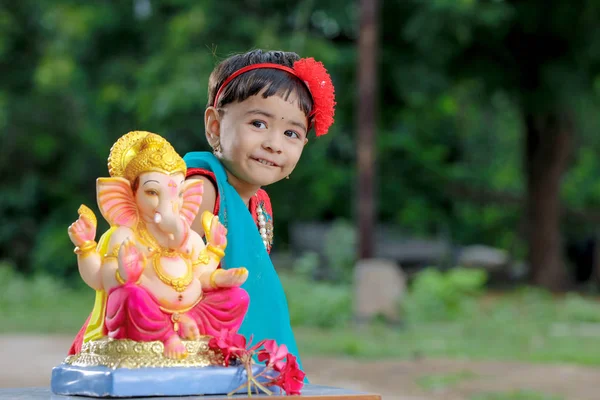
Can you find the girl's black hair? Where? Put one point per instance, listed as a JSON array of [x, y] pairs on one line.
[[272, 81]]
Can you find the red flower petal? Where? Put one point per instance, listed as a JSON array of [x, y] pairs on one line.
[[257, 345], [279, 365], [291, 377], [281, 353], [263, 356], [316, 77], [270, 346]]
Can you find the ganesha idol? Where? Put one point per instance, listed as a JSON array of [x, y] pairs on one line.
[[160, 293]]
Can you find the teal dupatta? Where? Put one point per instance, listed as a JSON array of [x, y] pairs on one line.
[[268, 316]]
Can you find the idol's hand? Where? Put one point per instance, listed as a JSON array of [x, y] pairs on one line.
[[215, 233], [131, 261], [228, 278], [83, 230]]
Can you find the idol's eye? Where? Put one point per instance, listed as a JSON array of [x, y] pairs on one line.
[[292, 134], [151, 192], [259, 124]]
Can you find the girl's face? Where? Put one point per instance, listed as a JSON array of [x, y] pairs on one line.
[[261, 139]]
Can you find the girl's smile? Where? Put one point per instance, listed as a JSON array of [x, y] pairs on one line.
[[265, 162]]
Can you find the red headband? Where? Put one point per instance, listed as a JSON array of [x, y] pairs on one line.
[[317, 80]]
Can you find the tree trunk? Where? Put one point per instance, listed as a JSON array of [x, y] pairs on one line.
[[547, 148], [366, 107]]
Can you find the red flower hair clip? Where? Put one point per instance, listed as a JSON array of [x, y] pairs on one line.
[[317, 80]]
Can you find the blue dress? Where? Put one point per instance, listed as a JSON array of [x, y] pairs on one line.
[[268, 316]]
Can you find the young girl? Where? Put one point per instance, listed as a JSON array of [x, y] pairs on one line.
[[261, 107]]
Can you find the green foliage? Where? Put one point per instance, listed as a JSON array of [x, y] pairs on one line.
[[306, 266], [447, 315], [579, 309], [339, 259], [41, 304], [74, 76], [533, 326], [317, 304], [436, 295], [340, 251]]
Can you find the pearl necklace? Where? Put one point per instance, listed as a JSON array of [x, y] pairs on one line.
[[265, 228]]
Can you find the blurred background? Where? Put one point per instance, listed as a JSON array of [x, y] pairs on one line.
[[483, 276]]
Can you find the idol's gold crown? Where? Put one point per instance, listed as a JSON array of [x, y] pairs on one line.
[[139, 151]]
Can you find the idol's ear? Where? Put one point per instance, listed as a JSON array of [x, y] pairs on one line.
[[116, 202], [192, 198]]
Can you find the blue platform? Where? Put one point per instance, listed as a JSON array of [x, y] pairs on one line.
[[309, 392], [147, 382]]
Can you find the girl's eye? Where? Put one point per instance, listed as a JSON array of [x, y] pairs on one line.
[[181, 194], [151, 192], [259, 124], [292, 134]]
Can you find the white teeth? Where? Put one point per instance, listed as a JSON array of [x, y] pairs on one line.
[[265, 162]]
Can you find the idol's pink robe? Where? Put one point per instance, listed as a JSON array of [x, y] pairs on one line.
[[133, 313]]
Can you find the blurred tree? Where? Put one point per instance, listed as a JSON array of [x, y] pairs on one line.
[[541, 62], [368, 48]]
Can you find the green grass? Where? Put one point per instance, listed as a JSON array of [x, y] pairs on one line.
[[443, 381], [449, 340], [41, 304], [515, 395], [525, 325]]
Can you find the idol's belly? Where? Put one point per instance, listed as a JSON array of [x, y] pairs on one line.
[[172, 284]]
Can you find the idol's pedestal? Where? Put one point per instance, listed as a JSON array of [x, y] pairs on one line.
[[309, 392]]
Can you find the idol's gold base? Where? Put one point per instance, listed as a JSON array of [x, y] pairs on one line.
[[125, 353]]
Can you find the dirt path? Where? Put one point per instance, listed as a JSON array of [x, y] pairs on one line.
[[28, 360]]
